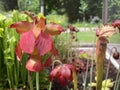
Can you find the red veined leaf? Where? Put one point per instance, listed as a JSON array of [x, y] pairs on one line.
[[34, 63], [27, 42], [18, 52], [22, 26], [48, 61], [41, 23], [43, 43], [53, 29]]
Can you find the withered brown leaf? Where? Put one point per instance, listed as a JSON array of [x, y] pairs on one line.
[[106, 31]]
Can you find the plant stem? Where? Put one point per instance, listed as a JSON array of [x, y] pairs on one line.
[[30, 81], [93, 58], [107, 72], [50, 86], [86, 76], [75, 80], [117, 79], [117, 86], [37, 80]]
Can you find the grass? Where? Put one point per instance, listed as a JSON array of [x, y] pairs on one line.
[[89, 36], [86, 24], [86, 36], [115, 39]]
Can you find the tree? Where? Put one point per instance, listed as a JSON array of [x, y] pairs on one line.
[[94, 8], [1, 6], [75, 9], [113, 10], [68, 7], [10, 4], [30, 5], [83, 8]]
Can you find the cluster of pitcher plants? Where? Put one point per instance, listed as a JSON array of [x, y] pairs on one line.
[[30, 40]]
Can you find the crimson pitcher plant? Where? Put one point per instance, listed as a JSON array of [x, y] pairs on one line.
[[64, 74], [103, 34], [36, 41]]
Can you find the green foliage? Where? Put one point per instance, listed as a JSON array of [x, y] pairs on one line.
[[94, 8], [68, 7], [9, 4], [1, 6], [59, 19], [2, 17], [106, 84], [74, 9], [19, 16], [12, 74], [8, 40], [82, 54], [83, 8], [44, 80], [30, 5], [113, 10], [1, 32]]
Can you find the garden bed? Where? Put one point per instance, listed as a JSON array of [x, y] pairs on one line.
[[113, 71], [112, 75]]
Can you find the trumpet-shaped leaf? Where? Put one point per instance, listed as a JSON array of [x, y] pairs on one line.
[[66, 72], [53, 29], [22, 26], [63, 74], [35, 63]]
